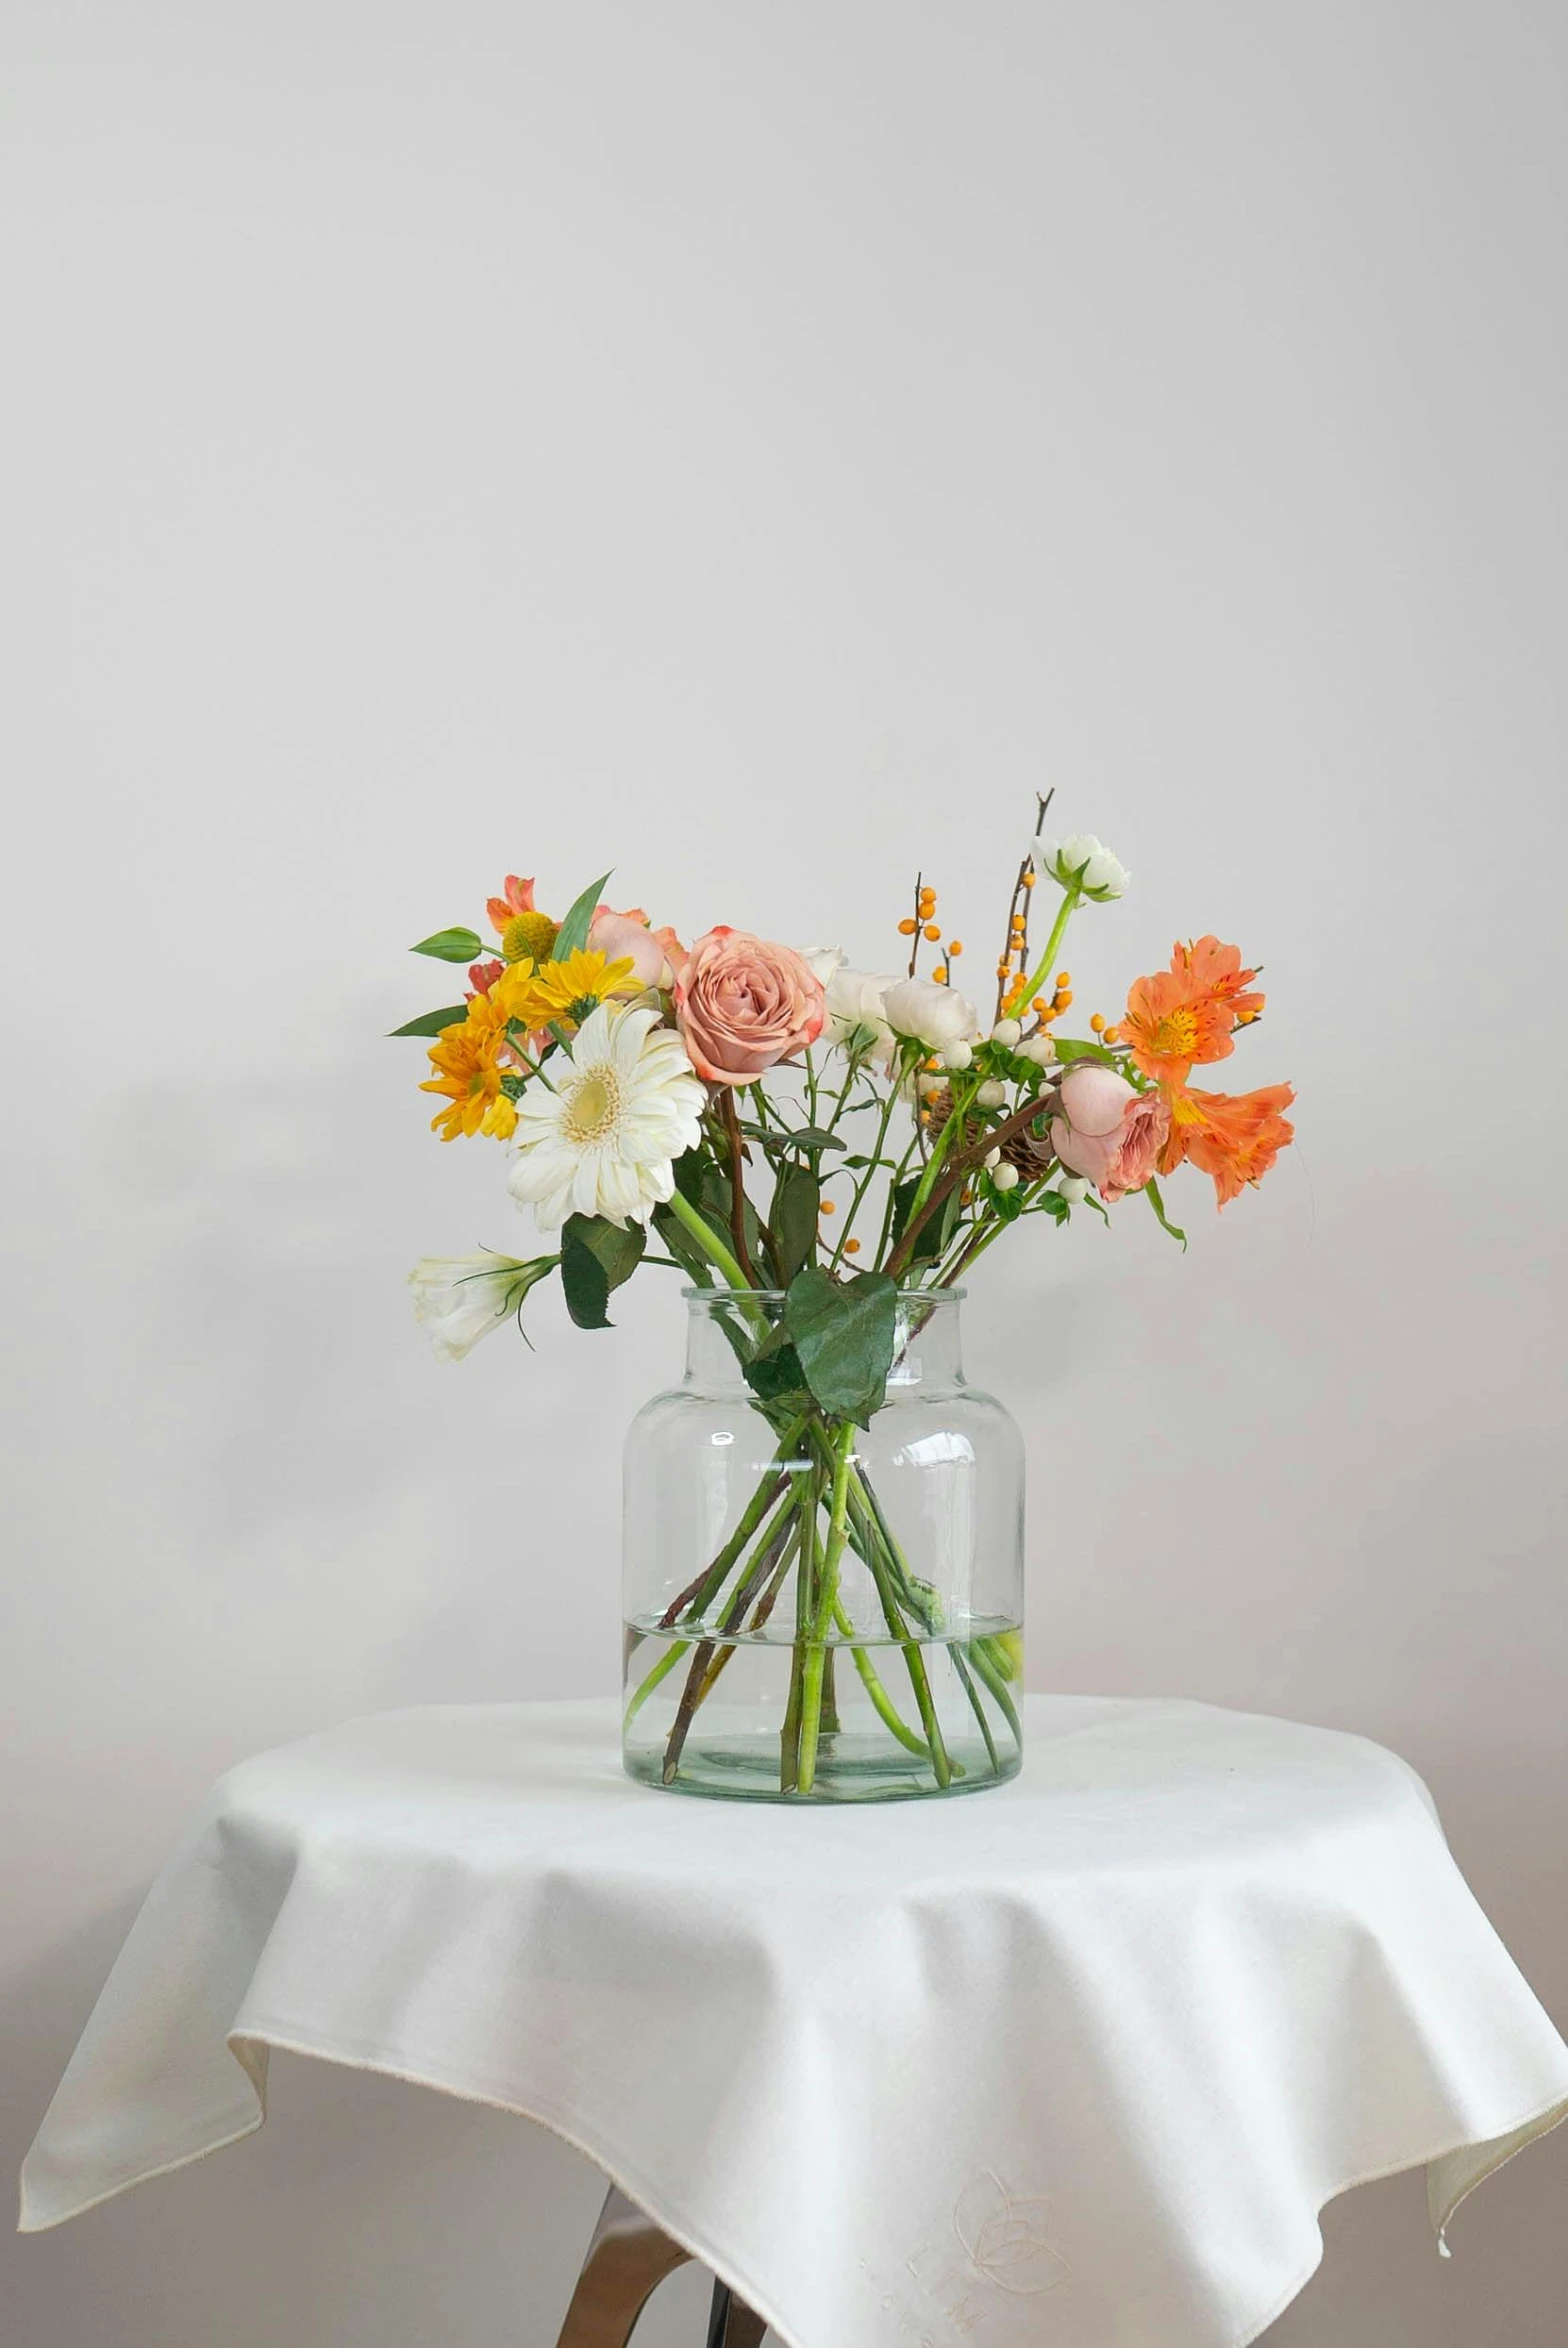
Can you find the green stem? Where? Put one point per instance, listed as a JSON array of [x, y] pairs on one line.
[[1071, 900], [886, 1708], [864, 1184], [709, 1241], [661, 1670], [816, 1652], [699, 1594]]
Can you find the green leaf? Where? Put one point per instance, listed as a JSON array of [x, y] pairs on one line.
[[843, 1335], [774, 1371], [572, 935], [432, 1022], [797, 1200], [1069, 1048], [619, 1252], [1052, 1203], [678, 1242], [808, 1137], [935, 1232], [586, 1283], [451, 945], [1152, 1193]]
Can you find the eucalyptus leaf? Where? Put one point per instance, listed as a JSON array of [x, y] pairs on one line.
[[586, 1283], [572, 935], [432, 1022], [844, 1335], [451, 945]]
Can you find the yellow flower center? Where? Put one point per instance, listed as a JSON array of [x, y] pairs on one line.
[[592, 1106], [1175, 1036], [532, 934]]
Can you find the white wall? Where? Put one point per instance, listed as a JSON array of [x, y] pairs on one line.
[[756, 445]]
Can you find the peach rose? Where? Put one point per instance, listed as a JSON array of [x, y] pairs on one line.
[[743, 1004], [1118, 1146]]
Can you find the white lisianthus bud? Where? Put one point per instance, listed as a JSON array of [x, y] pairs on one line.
[[1038, 1049], [935, 1015], [1006, 1031], [991, 1158], [1083, 862], [460, 1299], [1074, 1189], [1005, 1178], [991, 1094], [959, 1055]]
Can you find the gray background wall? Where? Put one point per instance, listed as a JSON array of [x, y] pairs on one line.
[[757, 445]]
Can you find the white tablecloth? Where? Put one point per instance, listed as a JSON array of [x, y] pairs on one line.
[[1077, 2059]]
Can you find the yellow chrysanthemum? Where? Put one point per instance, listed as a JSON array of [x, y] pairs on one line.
[[574, 989], [467, 1060]]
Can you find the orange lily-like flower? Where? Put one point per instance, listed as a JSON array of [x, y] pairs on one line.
[[1234, 1138], [1183, 1017], [1217, 969], [517, 897]]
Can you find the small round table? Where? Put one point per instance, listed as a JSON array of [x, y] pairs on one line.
[[1079, 2058]]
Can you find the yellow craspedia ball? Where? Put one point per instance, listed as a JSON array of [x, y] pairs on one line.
[[529, 933]]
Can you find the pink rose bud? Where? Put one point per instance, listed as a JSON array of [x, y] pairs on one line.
[[1094, 1099], [621, 939], [743, 1004]]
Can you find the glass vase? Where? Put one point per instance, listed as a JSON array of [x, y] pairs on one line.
[[817, 1611]]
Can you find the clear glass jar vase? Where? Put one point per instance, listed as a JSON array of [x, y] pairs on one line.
[[816, 1611]]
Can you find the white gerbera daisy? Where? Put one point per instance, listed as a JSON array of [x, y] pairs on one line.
[[626, 1104]]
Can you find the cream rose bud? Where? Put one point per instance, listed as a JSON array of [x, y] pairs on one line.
[[1005, 1178], [1038, 1048], [619, 939], [935, 1015], [1074, 1189], [1006, 1032], [958, 1056], [991, 1094], [1094, 1099]]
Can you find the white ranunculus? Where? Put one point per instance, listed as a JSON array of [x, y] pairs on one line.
[[1084, 861], [460, 1299], [822, 961], [935, 1015], [856, 1000]]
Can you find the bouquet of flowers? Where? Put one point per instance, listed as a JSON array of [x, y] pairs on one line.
[[828, 1146]]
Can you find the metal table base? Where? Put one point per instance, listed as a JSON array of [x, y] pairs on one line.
[[627, 2259]]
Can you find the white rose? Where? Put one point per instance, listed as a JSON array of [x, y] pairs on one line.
[[936, 1015]]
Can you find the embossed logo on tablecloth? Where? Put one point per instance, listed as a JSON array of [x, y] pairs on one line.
[[1001, 2244]]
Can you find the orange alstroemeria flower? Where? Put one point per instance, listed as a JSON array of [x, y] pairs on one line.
[[1182, 1017], [1234, 1138], [517, 897], [1217, 969]]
